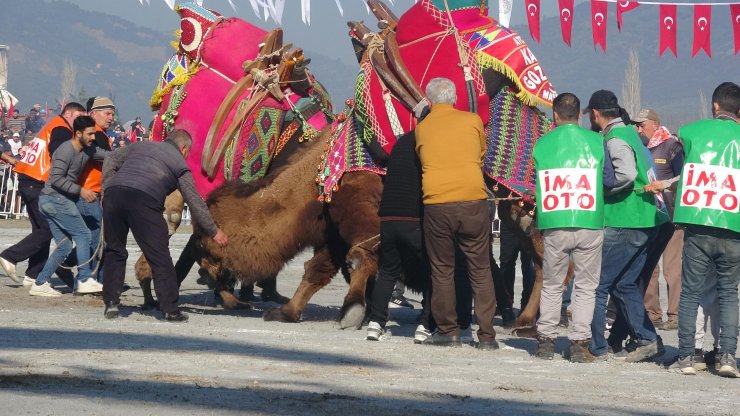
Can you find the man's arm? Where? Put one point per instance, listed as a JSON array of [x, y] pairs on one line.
[[8, 158], [625, 166], [198, 208], [113, 163]]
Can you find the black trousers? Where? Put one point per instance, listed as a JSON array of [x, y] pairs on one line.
[[35, 246], [401, 250], [511, 247], [131, 209]]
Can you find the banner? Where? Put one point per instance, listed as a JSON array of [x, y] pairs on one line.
[[566, 19], [504, 12], [668, 28], [533, 18], [735, 14], [624, 6], [598, 23], [702, 29]]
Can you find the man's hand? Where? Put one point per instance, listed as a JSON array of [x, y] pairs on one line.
[[88, 195], [220, 238], [655, 187]]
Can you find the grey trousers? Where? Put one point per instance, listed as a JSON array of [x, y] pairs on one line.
[[584, 246]]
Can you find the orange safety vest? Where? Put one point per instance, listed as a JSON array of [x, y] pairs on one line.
[[92, 174], [36, 163]]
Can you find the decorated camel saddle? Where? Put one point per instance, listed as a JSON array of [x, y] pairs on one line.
[[497, 76], [242, 102]]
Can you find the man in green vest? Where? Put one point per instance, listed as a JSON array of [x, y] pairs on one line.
[[630, 220], [570, 212], [707, 205]]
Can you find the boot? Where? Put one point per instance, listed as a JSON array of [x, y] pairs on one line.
[[579, 352], [546, 348]]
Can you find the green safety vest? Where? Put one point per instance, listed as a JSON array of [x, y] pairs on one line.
[[632, 207], [570, 162], [709, 188]]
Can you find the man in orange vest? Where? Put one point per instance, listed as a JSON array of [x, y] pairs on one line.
[[102, 110], [33, 171]]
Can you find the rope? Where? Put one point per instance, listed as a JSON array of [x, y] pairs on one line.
[[95, 254], [376, 236]]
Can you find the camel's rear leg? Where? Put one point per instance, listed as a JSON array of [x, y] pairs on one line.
[[319, 271]]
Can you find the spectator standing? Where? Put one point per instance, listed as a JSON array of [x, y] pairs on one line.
[[15, 145], [630, 218], [667, 154], [451, 144], [570, 212], [712, 234]]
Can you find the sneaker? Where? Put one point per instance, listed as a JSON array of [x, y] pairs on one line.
[[28, 282], [491, 345], [89, 286], [687, 366], [621, 353], [643, 353], [609, 323], [699, 363], [710, 357], [400, 302], [728, 366], [175, 316], [9, 269], [374, 331], [421, 334], [443, 340], [546, 348], [466, 335], [579, 352], [44, 290]]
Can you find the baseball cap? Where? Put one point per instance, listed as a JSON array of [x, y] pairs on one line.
[[602, 100], [646, 114], [16, 134]]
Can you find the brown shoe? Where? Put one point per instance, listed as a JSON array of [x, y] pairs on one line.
[[579, 352], [545, 348], [670, 325], [657, 323]]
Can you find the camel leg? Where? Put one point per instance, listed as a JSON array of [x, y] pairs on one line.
[[224, 288], [319, 271], [144, 275], [363, 265], [528, 317]]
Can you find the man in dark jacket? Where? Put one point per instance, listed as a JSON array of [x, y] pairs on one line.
[[146, 172]]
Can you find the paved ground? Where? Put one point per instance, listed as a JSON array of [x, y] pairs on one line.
[[59, 356]]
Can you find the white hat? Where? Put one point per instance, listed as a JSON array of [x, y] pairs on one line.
[[16, 134]]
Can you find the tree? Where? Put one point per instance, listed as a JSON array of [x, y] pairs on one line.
[[631, 86], [69, 80], [703, 105], [82, 95]]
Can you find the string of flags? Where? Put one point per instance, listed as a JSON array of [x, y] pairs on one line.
[[702, 22]]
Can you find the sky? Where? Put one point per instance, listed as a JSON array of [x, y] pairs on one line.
[[327, 32]]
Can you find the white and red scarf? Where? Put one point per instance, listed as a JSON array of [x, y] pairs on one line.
[[660, 135]]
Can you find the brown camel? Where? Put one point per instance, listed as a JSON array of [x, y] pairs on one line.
[[271, 220]]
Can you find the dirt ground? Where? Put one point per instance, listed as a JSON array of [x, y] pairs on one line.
[[59, 356]]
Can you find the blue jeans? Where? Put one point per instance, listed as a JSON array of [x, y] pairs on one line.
[[623, 256], [67, 227], [92, 214], [703, 249]]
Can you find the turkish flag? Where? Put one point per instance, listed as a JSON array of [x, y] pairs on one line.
[[735, 13], [668, 28], [533, 18], [702, 29], [598, 22], [566, 19], [624, 6]]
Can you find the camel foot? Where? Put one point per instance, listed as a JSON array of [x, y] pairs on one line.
[[230, 301], [150, 306], [352, 316], [530, 332], [277, 314]]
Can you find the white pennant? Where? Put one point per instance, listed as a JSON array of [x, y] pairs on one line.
[[306, 11], [170, 3], [504, 12], [255, 7], [279, 7], [339, 6]]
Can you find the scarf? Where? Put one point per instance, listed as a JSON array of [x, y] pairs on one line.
[[660, 135]]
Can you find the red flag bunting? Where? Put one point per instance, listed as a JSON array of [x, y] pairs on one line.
[[702, 29], [598, 22], [11, 109], [624, 6], [735, 13], [668, 28], [566, 19], [533, 18]]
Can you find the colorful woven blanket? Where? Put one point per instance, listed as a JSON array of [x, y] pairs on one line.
[[512, 132], [345, 152]]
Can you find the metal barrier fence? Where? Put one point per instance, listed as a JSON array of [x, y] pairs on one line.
[[10, 199]]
